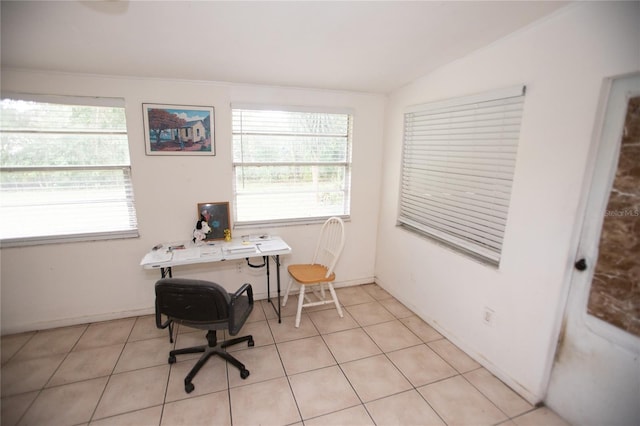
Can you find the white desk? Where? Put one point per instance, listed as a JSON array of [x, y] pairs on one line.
[[186, 253]]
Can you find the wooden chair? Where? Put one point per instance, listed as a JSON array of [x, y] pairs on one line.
[[320, 271]]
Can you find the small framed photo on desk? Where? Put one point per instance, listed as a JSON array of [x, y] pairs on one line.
[[217, 216]]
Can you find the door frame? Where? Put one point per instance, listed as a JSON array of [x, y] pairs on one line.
[[594, 378], [603, 166]]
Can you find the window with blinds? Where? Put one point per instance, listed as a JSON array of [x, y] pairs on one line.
[[290, 165], [65, 173], [458, 163]]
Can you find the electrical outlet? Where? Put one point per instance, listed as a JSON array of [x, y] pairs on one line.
[[239, 267], [488, 316]]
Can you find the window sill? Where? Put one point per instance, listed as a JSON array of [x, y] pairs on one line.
[[61, 239], [287, 222]]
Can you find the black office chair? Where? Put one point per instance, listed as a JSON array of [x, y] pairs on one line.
[[207, 306]]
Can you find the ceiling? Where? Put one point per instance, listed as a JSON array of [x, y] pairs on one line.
[[357, 46]]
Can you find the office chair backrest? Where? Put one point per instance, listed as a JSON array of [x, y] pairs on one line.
[[192, 301], [330, 244]]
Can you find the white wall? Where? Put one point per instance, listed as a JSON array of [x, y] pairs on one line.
[[562, 60], [60, 284]]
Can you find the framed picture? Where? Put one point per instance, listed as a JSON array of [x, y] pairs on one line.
[[178, 130], [217, 216]]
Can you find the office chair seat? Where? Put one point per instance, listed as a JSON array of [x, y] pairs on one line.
[[208, 306]]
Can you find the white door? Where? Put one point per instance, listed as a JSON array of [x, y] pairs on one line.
[[596, 375]]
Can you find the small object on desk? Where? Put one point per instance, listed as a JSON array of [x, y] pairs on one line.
[[255, 237], [178, 247], [227, 235], [156, 247], [201, 231]]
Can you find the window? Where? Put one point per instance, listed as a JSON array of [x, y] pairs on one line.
[[290, 165], [65, 173], [458, 162]]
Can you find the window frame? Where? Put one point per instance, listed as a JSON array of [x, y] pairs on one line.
[[436, 138], [130, 231], [346, 165]]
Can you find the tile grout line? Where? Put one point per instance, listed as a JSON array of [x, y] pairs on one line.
[[172, 330], [339, 365], [285, 371], [93, 412], [39, 390], [508, 417], [344, 374], [265, 318], [227, 366], [44, 386], [400, 371]]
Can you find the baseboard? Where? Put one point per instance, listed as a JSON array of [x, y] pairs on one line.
[[66, 322], [87, 319], [336, 284], [492, 368]]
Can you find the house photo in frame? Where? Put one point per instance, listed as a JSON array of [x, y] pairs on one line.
[[217, 216], [178, 130]]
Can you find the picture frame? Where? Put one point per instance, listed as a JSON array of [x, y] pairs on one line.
[[217, 216], [178, 129]]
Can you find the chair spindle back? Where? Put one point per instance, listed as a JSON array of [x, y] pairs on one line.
[[330, 244]]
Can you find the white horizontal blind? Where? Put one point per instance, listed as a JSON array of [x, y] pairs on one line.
[[65, 172], [457, 168], [290, 165]]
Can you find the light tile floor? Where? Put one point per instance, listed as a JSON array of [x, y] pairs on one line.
[[379, 365]]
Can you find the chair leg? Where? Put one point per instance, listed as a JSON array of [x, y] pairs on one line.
[[286, 293], [193, 350], [213, 348], [237, 340], [232, 360], [300, 302], [188, 386], [335, 300]]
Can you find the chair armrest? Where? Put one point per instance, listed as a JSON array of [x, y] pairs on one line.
[[245, 288], [159, 322], [162, 325]]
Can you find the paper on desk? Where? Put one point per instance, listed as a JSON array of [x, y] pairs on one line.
[[241, 248], [186, 254], [210, 250], [156, 256], [272, 245]]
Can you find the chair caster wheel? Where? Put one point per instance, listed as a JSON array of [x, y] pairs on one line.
[[172, 359], [251, 343], [188, 387], [244, 373]]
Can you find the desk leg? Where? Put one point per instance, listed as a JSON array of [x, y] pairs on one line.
[[265, 260], [166, 271], [276, 259]]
